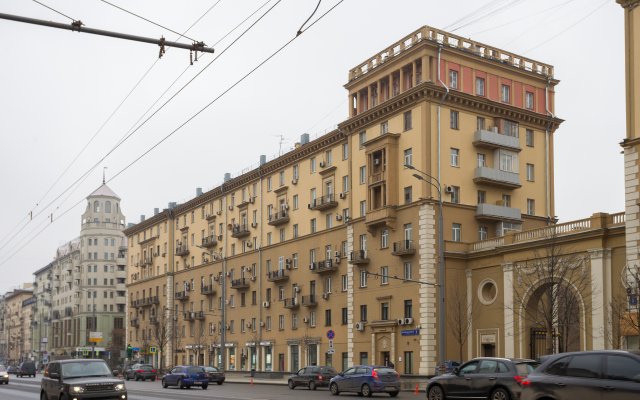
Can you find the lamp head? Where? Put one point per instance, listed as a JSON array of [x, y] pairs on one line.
[[409, 166], [418, 177]]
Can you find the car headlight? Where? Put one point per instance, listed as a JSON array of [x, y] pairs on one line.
[[77, 389], [119, 386], [5, 375]]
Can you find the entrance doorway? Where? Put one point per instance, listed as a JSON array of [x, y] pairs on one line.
[[385, 356]]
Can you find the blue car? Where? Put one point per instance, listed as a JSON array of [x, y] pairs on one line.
[[365, 380], [185, 376]]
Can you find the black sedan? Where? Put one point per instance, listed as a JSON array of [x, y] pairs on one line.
[[482, 378], [12, 369], [312, 377], [214, 374]]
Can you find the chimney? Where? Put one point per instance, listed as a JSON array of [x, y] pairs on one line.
[[227, 176], [156, 211], [198, 192], [142, 218], [263, 159], [172, 205], [304, 138]]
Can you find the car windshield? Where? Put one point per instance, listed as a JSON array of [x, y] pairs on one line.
[[194, 370], [330, 370], [145, 367], [82, 369], [525, 369], [385, 371], [211, 369]]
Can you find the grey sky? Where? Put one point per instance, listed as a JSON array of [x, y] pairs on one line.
[[59, 87]]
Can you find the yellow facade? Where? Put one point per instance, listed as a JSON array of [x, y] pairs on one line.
[[339, 239]]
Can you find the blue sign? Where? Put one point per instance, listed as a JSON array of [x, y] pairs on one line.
[[331, 334], [135, 348], [410, 332]]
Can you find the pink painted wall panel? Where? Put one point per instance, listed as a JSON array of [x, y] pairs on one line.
[[467, 80], [492, 87], [517, 94]]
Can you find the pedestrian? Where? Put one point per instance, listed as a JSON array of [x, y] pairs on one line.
[[390, 364]]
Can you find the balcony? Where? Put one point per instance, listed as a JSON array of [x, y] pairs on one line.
[[208, 290], [147, 261], [189, 316], [182, 296], [56, 314], [279, 218], [279, 275], [494, 140], [325, 202], [209, 241], [150, 301], [182, 250], [309, 301], [135, 322], [153, 320], [359, 257], [320, 267], [240, 230], [496, 177], [291, 303], [68, 312], [241, 283], [497, 212], [383, 216], [200, 315], [403, 248], [135, 303]]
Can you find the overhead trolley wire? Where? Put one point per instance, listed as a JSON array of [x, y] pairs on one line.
[[54, 10]]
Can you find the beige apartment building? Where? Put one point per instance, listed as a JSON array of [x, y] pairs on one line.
[[41, 316], [17, 324], [329, 254]]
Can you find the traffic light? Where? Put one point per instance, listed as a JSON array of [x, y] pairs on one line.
[[129, 351]]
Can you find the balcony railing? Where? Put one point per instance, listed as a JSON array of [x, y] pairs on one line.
[[147, 260], [325, 202], [200, 315], [153, 320], [209, 241], [279, 218], [493, 139], [182, 295], [496, 177], [279, 275], [150, 301], [404, 248], [496, 212], [291, 303], [320, 267], [208, 290], [240, 283], [359, 257], [182, 250], [135, 322], [189, 316], [309, 301], [240, 231]]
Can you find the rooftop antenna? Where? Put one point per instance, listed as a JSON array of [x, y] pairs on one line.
[[103, 176], [281, 136]]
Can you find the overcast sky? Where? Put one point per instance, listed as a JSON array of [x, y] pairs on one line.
[[59, 89]]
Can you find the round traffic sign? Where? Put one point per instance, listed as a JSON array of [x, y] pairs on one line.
[[331, 334]]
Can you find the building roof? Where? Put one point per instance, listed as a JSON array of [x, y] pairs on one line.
[[104, 190]]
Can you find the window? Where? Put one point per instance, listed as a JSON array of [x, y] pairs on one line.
[[455, 194], [296, 174], [363, 312], [312, 164], [344, 316], [408, 309], [508, 161], [408, 362], [529, 137], [482, 197], [384, 278], [407, 271], [506, 200], [455, 157], [384, 239], [510, 128], [384, 311], [531, 206], [295, 201], [408, 195], [281, 322], [408, 124], [479, 86], [362, 138], [528, 100], [363, 175], [327, 317], [480, 123], [454, 123], [295, 231], [345, 282], [363, 208], [345, 183], [505, 93], [281, 178], [530, 173], [482, 160], [456, 230], [453, 79], [363, 279], [269, 185], [483, 233], [622, 368], [328, 157], [384, 128], [408, 157], [313, 225], [345, 151], [329, 220]]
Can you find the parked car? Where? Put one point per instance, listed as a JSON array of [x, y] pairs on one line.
[[27, 368], [482, 378], [312, 377], [12, 369], [214, 375], [606, 374], [4, 375], [365, 380], [141, 372], [80, 379], [446, 367], [185, 376]]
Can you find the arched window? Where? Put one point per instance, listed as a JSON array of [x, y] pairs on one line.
[[107, 207], [96, 206]]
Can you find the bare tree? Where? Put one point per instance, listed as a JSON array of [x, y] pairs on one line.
[[547, 294], [630, 313], [199, 339], [459, 312], [161, 334], [618, 307]]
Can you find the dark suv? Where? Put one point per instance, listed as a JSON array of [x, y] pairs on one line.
[[141, 372], [606, 374], [26, 368], [80, 379], [312, 377], [482, 378]]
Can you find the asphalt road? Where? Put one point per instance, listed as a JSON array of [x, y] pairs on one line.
[[29, 389]]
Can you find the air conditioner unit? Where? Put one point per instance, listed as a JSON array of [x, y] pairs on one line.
[[254, 224], [448, 189], [285, 207], [228, 327], [261, 323], [266, 304], [376, 161], [305, 320], [215, 278], [227, 302], [249, 326], [343, 195], [360, 326], [253, 279], [248, 243], [338, 217], [337, 260], [294, 181], [228, 274], [408, 321], [309, 206], [287, 261], [219, 237], [401, 321], [336, 253], [193, 315], [325, 296], [230, 207], [296, 289], [252, 200], [219, 212], [312, 266], [322, 164]]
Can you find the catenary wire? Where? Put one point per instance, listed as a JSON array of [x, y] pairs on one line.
[[473, 13], [184, 123], [488, 14], [54, 10]]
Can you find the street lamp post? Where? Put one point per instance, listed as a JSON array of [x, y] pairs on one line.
[[441, 266]]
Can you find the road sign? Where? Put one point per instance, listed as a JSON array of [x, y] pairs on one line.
[[331, 344], [153, 349], [331, 334], [95, 337], [331, 351]]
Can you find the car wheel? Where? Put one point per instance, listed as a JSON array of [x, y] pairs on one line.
[[333, 388], [180, 385], [164, 384], [43, 395], [153, 379], [500, 394], [136, 377], [126, 377], [366, 390], [291, 384], [393, 394], [220, 382], [436, 393], [204, 387], [312, 385]]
